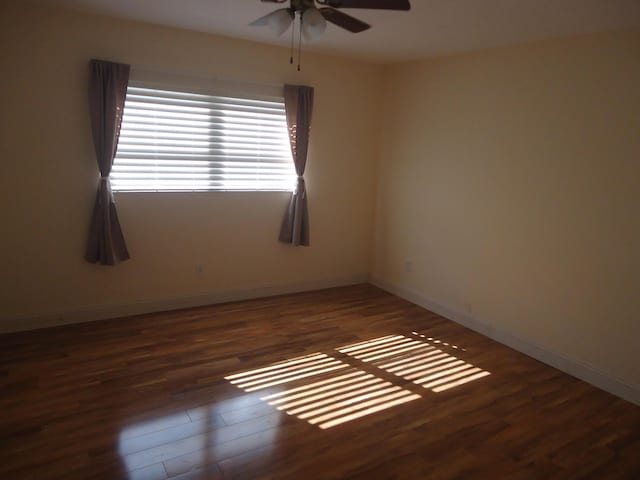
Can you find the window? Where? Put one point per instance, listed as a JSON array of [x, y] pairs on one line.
[[180, 139]]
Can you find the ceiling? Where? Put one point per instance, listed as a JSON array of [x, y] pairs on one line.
[[431, 28]]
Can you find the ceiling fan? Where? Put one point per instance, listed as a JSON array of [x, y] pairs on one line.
[[313, 19]]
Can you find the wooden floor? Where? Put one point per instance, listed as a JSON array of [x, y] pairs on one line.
[[349, 383]]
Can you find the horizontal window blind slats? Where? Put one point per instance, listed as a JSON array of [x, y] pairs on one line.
[[194, 101], [133, 138], [204, 149], [127, 167], [206, 155], [173, 140], [205, 114], [169, 173], [188, 183], [211, 123], [183, 95], [196, 185], [151, 157], [124, 169], [188, 98], [132, 130], [147, 103], [222, 146], [202, 181], [203, 121], [220, 176], [198, 163]]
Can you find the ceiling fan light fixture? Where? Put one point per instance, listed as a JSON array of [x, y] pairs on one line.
[[280, 21], [313, 23]]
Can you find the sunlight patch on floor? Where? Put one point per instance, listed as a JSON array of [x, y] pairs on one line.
[[285, 372], [326, 391], [339, 394], [422, 360]]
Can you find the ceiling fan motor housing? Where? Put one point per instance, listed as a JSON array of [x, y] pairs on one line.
[[302, 5]]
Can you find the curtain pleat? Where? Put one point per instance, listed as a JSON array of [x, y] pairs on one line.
[[298, 102], [108, 83]]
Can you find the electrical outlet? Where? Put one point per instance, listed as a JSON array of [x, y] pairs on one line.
[[408, 266]]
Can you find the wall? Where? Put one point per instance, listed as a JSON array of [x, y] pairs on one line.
[[49, 177], [509, 197]]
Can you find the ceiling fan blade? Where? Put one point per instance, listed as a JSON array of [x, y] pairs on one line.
[[343, 20], [370, 4], [263, 21], [260, 22]]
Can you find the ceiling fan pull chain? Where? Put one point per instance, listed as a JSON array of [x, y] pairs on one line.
[[300, 43], [293, 32]]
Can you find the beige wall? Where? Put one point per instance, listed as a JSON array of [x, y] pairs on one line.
[[510, 179], [49, 173]]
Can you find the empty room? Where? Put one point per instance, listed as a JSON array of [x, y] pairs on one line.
[[320, 239]]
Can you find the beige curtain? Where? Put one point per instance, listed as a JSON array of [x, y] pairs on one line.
[[107, 90], [298, 101]]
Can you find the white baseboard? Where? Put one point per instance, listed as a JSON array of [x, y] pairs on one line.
[[578, 369], [101, 312]]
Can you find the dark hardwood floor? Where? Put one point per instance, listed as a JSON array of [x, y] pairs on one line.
[[349, 383]]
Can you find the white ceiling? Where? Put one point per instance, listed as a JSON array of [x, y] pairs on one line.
[[432, 27]]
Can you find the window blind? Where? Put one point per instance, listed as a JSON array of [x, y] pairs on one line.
[[173, 140]]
